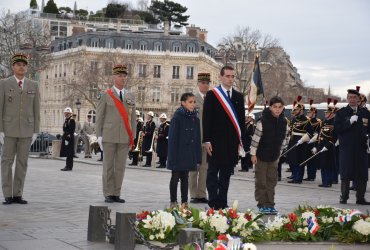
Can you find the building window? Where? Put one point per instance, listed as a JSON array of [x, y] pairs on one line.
[[156, 94], [189, 72], [80, 42], [60, 70], [70, 44], [109, 43], [157, 71], [93, 66], [128, 44], [176, 47], [93, 115], [202, 48], [108, 68], [188, 90], [95, 43], [142, 70], [129, 69], [174, 95], [176, 72], [158, 46], [141, 93], [65, 70], [143, 45], [74, 68], [190, 48]]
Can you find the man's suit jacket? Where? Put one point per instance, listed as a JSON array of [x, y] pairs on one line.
[[19, 108], [199, 106], [109, 123], [88, 129], [219, 130]]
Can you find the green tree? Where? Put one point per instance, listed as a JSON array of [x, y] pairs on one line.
[[82, 12], [33, 4], [115, 10], [146, 16], [170, 11], [66, 9], [51, 7]]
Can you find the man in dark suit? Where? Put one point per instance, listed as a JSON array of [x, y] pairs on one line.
[[352, 124], [222, 135]]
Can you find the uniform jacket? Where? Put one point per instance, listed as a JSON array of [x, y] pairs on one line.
[[88, 129], [219, 130], [148, 135], [199, 106], [352, 143], [248, 134], [109, 123], [69, 127], [162, 140], [19, 108], [184, 144], [327, 138]]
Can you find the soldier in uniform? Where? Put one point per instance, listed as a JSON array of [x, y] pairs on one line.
[[352, 125], [326, 145], [139, 128], [68, 138], [19, 126], [88, 129], [197, 178], [148, 137], [246, 163], [162, 140], [301, 133], [115, 127], [76, 135], [316, 125]]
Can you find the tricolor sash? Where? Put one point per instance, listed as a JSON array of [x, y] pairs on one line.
[[124, 116], [230, 111]]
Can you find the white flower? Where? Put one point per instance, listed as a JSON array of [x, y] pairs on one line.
[[249, 246], [305, 229], [330, 219], [219, 222], [299, 230], [363, 227], [276, 224], [307, 215], [208, 246], [151, 237], [235, 205]]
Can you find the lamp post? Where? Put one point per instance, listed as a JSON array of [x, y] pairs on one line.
[[78, 106]]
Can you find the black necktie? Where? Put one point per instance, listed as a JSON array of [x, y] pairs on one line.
[[228, 94], [120, 96]]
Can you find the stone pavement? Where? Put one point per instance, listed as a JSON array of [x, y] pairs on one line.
[[57, 214]]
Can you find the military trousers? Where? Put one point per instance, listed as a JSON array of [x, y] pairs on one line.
[[114, 165], [197, 179], [19, 148]]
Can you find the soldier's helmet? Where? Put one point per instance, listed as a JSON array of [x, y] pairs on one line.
[[298, 105], [163, 116], [137, 112], [150, 113], [68, 110]]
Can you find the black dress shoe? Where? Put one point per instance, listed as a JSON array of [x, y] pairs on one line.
[[161, 166], [132, 164], [109, 199], [66, 169], [308, 179], [100, 160], [8, 201], [291, 181], [343, 201], [19, 200], [117, 199], [290, 177], [202, 200], [147, 166], [362, 202], [325, 186], [194, 200]]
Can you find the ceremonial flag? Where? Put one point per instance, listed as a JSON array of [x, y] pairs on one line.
[[256, 86]]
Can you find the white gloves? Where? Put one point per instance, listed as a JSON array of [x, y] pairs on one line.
[[313, 139], [353, 119], [2, 135], [100, 142], [34, 136], [324, 149], [300, 142], [75, 134], [314, 150]]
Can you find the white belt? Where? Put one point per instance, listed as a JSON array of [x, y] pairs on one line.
[[300, 134]]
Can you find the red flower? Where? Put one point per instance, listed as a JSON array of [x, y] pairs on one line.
[[292, 217], [210, 211], [233, 214], [220, 212], [142, 215], [289, 227], [222, 237], [248, 216], [317, 212]]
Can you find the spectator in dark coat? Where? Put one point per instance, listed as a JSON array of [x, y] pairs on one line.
[[184, 147], [67, 148], [352, 124]]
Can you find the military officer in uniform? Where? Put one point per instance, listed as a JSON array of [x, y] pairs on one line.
[[115, 127], [76, 135], [326, 145], [301, 134], [88, 129], [352, 125], [162, 140], [246, 163], [19, 126], [68, 138], [139, 128], [148, 138], [197, 178], [316, 125]]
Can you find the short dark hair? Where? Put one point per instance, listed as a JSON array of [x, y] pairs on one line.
[[186, 96], [88, 116], [227, 67], [276, 99]]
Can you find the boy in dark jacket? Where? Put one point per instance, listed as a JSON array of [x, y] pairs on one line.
[[269, 138], [184, 147]]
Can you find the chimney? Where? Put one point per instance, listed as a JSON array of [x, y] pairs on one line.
[[166, 28]]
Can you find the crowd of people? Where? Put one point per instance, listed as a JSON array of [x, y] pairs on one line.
[[203, 142]]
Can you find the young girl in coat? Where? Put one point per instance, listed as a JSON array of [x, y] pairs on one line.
[[184, 147]]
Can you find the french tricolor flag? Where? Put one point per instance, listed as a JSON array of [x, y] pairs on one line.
[[313, 226]]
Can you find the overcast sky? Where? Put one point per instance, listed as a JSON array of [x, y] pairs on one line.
[[327, 40]]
